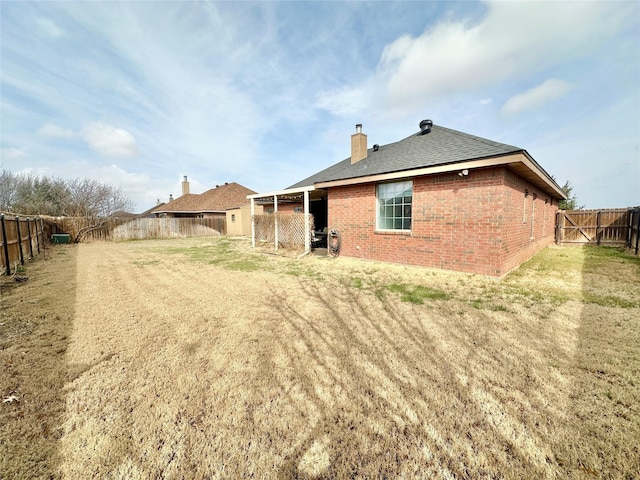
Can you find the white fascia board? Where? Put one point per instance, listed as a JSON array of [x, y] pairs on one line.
[[289, 191]]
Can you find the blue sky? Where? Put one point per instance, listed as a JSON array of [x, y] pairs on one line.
[[138, 94]]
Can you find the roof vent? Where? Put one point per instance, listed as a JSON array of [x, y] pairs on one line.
[[376, 147], [425, 126]]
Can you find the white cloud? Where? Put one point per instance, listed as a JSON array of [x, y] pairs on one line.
[[344, 101], [513, 41], [103, 138], [110, 141], [50, 28], [548, 91], [12, 153], [56, 131]]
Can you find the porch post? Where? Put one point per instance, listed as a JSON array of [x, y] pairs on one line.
[[275, 218], [253, 224], [307, 234]]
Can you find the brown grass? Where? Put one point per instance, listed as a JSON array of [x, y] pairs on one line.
[[200, 359]]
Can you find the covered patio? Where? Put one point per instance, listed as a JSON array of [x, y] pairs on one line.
[[303, 200]]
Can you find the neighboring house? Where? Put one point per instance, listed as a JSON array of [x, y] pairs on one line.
[[211, 204], [239, 219], [149, 212], [438, 198]]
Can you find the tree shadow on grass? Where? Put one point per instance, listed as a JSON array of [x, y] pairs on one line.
[[36, 319], [393, 389]]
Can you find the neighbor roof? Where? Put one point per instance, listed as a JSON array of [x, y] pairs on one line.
[[440, 146], [219, 199]]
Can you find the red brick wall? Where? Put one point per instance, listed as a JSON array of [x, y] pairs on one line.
[[470, 224], [532, 219], [284, 207]]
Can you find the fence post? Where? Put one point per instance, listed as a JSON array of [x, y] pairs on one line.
[[42, 231], [637, 231], [5, 244], [598, 232], [20, 240], [35, 221], [30, 239]]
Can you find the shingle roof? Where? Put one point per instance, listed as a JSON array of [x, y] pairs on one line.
[[149, 211], [438, 147], [219, 199]]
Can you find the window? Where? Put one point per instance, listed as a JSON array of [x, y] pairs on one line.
[[533, 213], [297, 209], [233, 217], [394, 205]]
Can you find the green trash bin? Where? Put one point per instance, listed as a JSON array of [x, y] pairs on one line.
[[60, 238]]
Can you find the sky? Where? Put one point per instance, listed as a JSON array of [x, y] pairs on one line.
[[139, 94]]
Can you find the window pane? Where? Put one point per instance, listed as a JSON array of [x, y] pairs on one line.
[[394, 200]]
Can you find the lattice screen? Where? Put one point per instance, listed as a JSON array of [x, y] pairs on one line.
[[290, 227]]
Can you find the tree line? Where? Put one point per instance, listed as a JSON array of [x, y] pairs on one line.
[[28, 194]]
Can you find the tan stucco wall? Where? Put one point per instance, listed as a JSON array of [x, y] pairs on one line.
[[242, 224]]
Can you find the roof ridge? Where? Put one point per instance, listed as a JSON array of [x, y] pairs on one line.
[[486, 141]]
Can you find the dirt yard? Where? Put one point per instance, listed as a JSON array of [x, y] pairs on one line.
[[202, 358]]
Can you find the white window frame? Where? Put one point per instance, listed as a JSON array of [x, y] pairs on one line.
[[391, 198]]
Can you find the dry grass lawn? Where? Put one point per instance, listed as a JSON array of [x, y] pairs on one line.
[[201, 358]]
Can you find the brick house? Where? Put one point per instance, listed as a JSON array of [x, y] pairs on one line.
[[213, 203], [438, 198]]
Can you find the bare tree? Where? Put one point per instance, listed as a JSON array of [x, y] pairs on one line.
[[7, 190], [91, 203], [31, 195], [88, 203]]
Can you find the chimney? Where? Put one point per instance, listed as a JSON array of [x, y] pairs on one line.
[[185, 186], [358, 145], [171, 197], [158, 202]]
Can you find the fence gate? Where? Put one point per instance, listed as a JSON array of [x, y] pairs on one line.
[[618, 226]]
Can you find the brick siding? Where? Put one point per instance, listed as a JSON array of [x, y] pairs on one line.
[[475, 224]]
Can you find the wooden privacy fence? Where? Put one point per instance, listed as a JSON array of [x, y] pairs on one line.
[[143, 228], [618, 226], [21, 238], [131, 228], [634, 229]]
